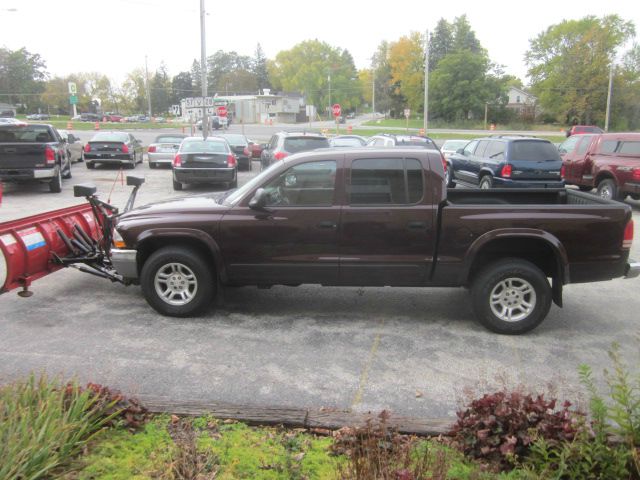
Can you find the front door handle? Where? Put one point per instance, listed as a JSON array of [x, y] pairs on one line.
[[328, 225], [416, 225]]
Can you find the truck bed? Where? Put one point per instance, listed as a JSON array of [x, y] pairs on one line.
[[524, 196]]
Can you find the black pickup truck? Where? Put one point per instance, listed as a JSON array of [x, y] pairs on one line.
[[33, 152], [375, 217]]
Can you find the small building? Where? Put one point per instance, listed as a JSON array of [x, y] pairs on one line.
[[521, 102], [265, 108], [7, 110]]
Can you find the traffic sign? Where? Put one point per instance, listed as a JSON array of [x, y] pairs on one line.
[[73, 90], [222, 111], [73, 100], [336, 110]]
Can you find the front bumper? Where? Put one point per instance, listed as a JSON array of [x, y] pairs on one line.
[[22, 174], [633, 270], [125, 262], [204, 175]]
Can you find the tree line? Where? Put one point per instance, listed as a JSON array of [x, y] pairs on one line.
[[569, 65]]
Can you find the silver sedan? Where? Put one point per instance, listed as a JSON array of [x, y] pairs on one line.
[[164, 149]]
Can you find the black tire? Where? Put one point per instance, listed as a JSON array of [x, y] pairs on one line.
[[81, 159], [509, 278], [55, 185], [486, 182], [608, 190], [177, 185], [448, 177], [585, 188], [66, 174], [90, 165], [152, 165], [234, 184], [177, 265]]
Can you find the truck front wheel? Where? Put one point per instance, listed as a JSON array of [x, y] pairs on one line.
[[511, 296], [176, 281]]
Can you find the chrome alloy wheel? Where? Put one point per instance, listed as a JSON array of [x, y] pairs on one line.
[[176, 284], [513, 299]]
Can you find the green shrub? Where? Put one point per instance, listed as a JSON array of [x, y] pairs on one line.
[[43, 425]]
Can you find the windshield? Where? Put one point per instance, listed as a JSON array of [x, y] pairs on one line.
[[535, 151], [303, 144], [346, 142], [235, 139], [236, 195], [110, 137]]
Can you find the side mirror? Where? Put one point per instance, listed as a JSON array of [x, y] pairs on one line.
[[259, 201], [134, 180], [460, 151]]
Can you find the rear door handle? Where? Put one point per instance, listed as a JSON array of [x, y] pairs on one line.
[[328, 224], [416, 225]]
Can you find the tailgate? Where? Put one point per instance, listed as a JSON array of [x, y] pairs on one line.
[[22, 155]]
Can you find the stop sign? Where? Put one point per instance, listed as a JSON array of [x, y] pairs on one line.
[[222, 111], [336, 110]]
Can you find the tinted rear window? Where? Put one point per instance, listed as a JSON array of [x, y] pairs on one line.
[[303, 144], [168, 139], [110, 137], [415, 142], [630, 148], [235, 139], [346, 142], [201, 146], [535, 151], [25, 134]]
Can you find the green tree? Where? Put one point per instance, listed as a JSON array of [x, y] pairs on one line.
[[160, 87], [324, 74], [464, 38], [22, 77], [388, 98], [133, 91], [260, 69], [196, 76], [181, 87], [440, 43], [227, 72], [569, 66]]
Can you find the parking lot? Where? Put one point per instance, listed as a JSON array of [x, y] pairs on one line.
[[417, 352]]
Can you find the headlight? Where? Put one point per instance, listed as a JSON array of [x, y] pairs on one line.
[[118, 242]]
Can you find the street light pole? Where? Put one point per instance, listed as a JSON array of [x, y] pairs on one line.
[[330, 90], [203, 70], [146, 70], [606, 118], [373, 92], [426, 82]]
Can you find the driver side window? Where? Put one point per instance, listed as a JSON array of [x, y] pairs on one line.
[[469, 149], [307, 184]]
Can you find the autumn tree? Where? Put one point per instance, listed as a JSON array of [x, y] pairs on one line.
[[406, 60], [388, 98], [569, 66]]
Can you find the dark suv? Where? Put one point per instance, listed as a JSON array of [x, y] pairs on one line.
[[503, 161], [283, 144]]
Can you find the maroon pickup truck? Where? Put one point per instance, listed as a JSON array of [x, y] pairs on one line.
[[609, 162], [371, 217]]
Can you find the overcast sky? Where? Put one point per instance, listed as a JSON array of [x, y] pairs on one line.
[[113, 36]]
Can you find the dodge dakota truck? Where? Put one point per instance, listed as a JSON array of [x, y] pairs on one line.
[[375, 217]]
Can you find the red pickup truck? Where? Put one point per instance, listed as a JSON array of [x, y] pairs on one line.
[[609, 162]]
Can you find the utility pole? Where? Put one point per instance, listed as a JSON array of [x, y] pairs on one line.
[[146, 70], [426, 82], [203, 70], [373, 92], [486, 110], [606, 118], [330, 92]]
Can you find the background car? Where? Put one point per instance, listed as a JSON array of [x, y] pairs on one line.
[[240, 147], [390, 140], [449, 147], [11, 121], [578, 129], [38, 116], [119, 148], [347, 141], [255, 148], [164, 149], [75, 148], [283, 144], [216, 122], [504, 161], [204, 161], [112, 117], [90, 117]]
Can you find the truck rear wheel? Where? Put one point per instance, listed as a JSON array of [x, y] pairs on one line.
[[55, 185], [511, 296], [176, 281]]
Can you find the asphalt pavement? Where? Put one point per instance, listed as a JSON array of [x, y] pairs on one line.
[[413, 351]]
